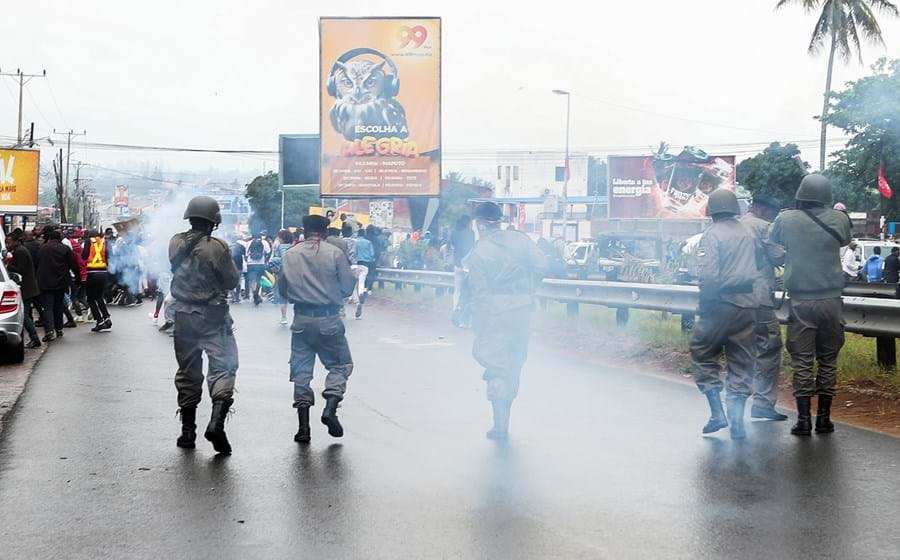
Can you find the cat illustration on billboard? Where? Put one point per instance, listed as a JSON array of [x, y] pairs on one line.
[[364, 95]]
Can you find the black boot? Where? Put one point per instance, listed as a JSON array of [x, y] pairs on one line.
[[823, 415], [736, 417], [330, 419], [302, 435], [803, 427], [501, 420], [215, 431], [766, 412], [717, 419], [188, 427]]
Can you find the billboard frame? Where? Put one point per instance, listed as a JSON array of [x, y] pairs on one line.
[[440, 113]]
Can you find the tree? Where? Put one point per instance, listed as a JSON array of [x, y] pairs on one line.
[[775, 173], [456, 194], [264, 195], [840, 24], [869, 110]]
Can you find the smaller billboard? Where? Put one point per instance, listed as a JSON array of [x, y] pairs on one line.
[[666, 186], [121, 198], [19, 173], [298, 160]]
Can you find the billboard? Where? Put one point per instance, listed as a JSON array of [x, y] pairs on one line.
[[298, 156], [666, 186], [121, 197], [19, 173], [380, 107]]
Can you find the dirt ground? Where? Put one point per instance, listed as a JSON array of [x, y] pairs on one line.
[[858, 406]]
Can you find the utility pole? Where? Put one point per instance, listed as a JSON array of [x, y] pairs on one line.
[[565, 189], [23, 79], [69, 135]]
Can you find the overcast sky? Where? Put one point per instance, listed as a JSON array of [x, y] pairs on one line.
[[235, 74]]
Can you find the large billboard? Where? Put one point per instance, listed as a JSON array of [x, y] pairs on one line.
[[298, 160], [666, 186], [380, 107], [19, 172]]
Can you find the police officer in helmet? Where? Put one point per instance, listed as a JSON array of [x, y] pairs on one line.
[[812, 236], [728, 266], [203, 274]]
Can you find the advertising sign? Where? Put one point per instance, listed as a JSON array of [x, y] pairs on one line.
[[298, 156], [121, 197], [380, 106], [666, 186], [19, 172]]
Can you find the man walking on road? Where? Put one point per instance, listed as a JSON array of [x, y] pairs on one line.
[[365, 265], [813, 235], [96, 260], [767, 377], [504, 268], [21, 264], [316, 277], [203, 274], [55, 270], [728, 270]]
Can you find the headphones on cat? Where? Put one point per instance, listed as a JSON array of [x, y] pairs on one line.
[[391, 83]]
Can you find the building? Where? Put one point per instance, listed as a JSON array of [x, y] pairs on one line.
[[539, 173]]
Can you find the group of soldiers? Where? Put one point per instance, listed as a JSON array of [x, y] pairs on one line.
[[316, 278], [737, 259]]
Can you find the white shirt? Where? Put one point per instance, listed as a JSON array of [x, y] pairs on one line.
[[267, 250], [849, 263]]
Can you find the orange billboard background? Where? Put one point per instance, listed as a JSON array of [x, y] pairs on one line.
[[380, 107], [19, 173]]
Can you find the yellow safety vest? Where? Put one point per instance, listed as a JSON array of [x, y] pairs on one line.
[[97, 257]]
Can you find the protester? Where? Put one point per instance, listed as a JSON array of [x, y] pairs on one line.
[[32, 241], [203, 274], [96, 256], [258, 252], [238, 256], [21, 264], [874, 267], [374, 236], [56, 268], [365, 261], [285, 242], [892, 266], [850, 263], [813, 235], [504, 268], [78, 294]]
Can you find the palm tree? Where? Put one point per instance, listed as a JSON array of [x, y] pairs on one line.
[[840, 24]]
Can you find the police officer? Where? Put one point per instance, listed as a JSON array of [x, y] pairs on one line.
[[812, 235], [203, 273], [503, 270], [315, 276], [727, 269], [768, 330]]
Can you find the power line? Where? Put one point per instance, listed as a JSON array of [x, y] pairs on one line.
[[56, 103]]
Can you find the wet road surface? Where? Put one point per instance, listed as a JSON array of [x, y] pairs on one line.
[[603, 462]]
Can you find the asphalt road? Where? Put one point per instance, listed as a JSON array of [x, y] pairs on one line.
[[604, 462]]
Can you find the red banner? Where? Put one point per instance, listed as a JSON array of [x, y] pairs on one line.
[[883, 186]]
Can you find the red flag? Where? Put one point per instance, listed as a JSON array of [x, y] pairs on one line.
[[883, 186]]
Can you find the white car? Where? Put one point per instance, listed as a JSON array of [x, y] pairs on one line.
[[12, 319]]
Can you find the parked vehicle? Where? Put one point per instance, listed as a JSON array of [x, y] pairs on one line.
[[12, 318]]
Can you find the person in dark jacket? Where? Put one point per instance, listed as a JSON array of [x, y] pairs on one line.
[[22, 265], [55, 269], [32, 241], [892, 266]]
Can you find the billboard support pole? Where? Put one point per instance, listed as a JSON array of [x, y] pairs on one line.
[[282, 208], [565, 189]]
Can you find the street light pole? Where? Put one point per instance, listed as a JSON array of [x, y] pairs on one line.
[[565, 191]]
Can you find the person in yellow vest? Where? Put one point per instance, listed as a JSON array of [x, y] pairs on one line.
[[96, 257]]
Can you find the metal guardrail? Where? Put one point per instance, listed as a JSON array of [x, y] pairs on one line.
[[872, 316]]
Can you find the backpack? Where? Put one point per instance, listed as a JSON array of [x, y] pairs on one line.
[[256, 249]]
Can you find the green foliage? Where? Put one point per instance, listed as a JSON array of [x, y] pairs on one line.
[[774, 173], [868, 109], [264, 195], [456, 194], [844, 22]]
